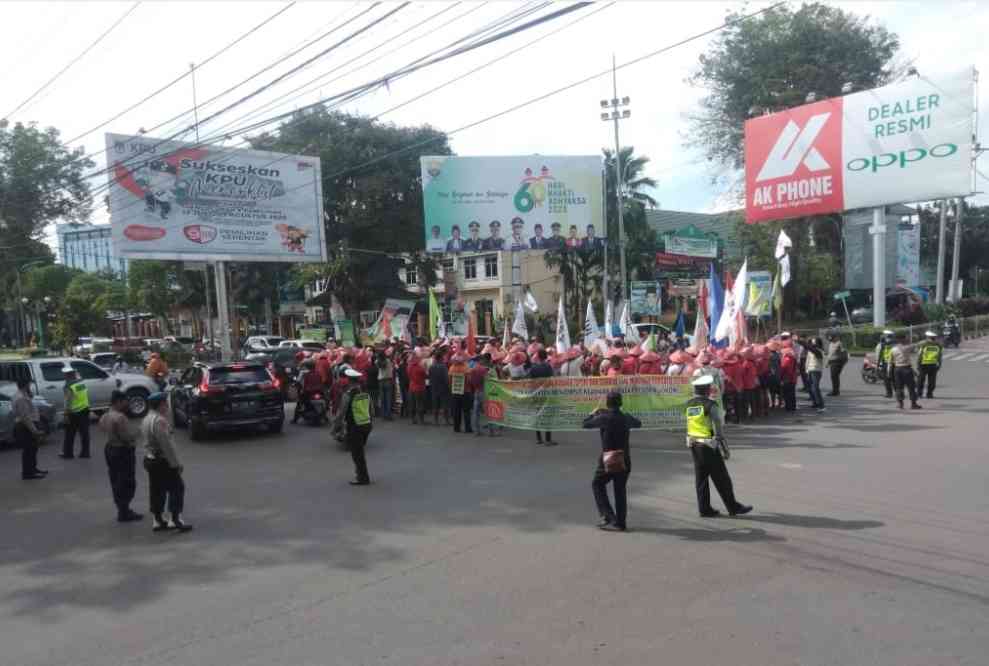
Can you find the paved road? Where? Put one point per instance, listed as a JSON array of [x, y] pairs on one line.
[[868, 546]]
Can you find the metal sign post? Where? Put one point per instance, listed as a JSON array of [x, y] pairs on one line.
[[878, 231], [843, 296]]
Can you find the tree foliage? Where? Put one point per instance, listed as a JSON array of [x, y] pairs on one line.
[[641, 242], [772, 61], [974, 245]]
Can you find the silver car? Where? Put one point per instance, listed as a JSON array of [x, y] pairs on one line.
[[46, 412]]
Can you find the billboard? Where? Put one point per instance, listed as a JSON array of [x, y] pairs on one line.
[[910, 141], [760, 294], [173, 200], [646, 298], [536, 202]]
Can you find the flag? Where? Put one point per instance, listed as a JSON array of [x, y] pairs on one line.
[[506, 338], [785, 270], [435, 316], [530, 301], [609, 320], [734, 302], [650, 343], [700, 331], [702, 301], [471, 330], [783, 243], [591, 332], [679, 328], [777, 292], [562, 332], [716, 305], [518, 326], [628, 332]]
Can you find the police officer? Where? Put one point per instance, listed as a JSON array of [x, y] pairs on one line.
[[121, 459], [928, 364], [355, 421], [474, 242], [901, 362], [884, 354], [76, 415], [709, 450]]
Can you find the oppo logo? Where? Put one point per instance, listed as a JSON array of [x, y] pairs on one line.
[[901, 159]]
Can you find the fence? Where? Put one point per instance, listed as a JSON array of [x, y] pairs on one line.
[[867, 337]]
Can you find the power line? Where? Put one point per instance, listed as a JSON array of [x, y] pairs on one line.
[[75, 60], [186, 73]]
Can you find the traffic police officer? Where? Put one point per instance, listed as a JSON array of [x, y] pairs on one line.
[[354, 419], [884, 356], [902, 366], [707, 446], [928, 364], [76, 415]]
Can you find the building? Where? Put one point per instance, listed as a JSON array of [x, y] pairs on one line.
[[721, 225], [88, 247]]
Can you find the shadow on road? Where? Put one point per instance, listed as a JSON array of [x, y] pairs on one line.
[[735, 534], [822, 522]]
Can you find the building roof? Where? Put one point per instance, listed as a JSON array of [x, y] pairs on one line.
[[722, 224]]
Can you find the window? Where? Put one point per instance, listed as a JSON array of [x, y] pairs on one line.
[[410, 275], [491, 266], [88, 370], [447, 265], [11, 372], [470, 268], [52, 372], [192, 377]]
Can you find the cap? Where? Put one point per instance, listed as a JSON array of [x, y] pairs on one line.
[[68, 370], [518, 221], [887, 332], [703, 380], [931, 334], [350, 372], [785, 335], [474, 224], [495, 223]]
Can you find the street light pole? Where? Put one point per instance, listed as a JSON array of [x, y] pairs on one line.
[[614, 104]]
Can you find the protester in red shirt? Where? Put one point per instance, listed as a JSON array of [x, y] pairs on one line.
[[788, 378], [417, 389]]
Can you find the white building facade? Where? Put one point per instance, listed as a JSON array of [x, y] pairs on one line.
[[88, 247]]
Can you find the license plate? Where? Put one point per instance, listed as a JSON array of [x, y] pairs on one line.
[[244, 406]]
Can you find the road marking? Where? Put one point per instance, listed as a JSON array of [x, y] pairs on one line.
[[961, 357], [791, 465], [981, 357]]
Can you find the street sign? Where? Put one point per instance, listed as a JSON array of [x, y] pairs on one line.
[[194, 265], [841, 295]]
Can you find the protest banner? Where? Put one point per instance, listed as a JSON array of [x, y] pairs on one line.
[[562, 403]]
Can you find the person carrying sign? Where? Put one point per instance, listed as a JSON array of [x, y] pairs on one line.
[[928, 364], [461, 401], [354, 419]]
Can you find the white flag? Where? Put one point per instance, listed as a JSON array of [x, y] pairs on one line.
[[783, 243], [785, 270], [700, 332], [562, 331], [518, 326], [628, 332], [591, 332], [609, 320], [734, 303], [506, 338], [530, 302]]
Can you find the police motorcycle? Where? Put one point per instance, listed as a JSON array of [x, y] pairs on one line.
[[951, 333]]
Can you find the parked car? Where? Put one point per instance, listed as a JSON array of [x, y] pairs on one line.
[[187, 343], [223, 396], [83, 346], [648, 328], [262, 343], [46, 412], [49, 382], [310, 346], [104, 360]]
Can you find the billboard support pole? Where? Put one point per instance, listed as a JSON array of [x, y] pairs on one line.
[[878, 231], [941, 236], [956, 254], [223, 313], [209, 314], [605, 295]]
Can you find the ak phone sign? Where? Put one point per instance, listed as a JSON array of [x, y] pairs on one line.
[[911, 141]]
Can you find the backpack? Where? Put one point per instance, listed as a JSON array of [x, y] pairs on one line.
[[360, 409]]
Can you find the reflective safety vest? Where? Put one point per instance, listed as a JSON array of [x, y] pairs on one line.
[[78, 397], [699, 424], [887, 355], [930, 354], [360, 409]]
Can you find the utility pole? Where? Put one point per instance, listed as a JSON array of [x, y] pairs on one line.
[[942, 234], [878, 231], [614, 104], [956, 292]]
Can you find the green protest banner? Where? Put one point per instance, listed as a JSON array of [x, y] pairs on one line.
[[562, 403]]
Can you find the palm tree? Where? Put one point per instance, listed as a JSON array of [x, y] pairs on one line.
[[581, 270], [641, 241], [634, 182]]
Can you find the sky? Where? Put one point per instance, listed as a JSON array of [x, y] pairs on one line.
[[157, 41]]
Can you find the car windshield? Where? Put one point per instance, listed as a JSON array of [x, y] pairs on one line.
[[252, 374], [274, 342], [313, 345], [185, 340]]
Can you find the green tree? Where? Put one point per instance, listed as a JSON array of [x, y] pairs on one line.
[[974, 245], [582, 273], [83, 310], [772, 61], [152, 287], [641, 242], [48, 281]]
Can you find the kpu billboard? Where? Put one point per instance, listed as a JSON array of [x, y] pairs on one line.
[[173, 200], [911, 141], [534, 202]]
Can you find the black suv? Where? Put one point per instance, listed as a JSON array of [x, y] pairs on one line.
[[227, 395]]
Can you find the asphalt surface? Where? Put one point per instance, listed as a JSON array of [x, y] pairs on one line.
[[867, 546]]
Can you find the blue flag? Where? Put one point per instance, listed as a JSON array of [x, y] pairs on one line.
[[717, 304], [679, 327]]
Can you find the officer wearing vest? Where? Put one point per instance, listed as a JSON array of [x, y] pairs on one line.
[[884, 356], [355, 422], [928, 364], [707, 446], [76, 415]]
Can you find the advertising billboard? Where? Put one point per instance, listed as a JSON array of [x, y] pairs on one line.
[[646, 298], [173, 200], [758, 303], [536, 202], [910, 141]]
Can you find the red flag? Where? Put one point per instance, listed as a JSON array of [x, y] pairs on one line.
[[471, 332], [702, 311]]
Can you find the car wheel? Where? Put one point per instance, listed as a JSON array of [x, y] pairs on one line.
[[277, 426], [137, 402], [197, 430]]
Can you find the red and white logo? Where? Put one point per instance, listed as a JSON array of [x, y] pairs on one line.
[[200, 233], [793, 162]]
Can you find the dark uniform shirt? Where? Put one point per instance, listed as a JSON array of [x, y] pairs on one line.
[[614, 425]]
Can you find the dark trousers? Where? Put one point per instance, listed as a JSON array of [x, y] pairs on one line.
[[76, 422], [29, 449], [815, 388], [789, 392], [121, 464], [751, 403], [836, 369], [461, 407], [888, 381], [441, 405], [540, 433], [417, 406], [600, 487], [735, 399], [356, 441], [164, 483], [928, 375], [904, 378], [708, 463]]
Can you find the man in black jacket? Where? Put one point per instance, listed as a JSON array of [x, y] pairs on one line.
[[540, 369], [614, 425]]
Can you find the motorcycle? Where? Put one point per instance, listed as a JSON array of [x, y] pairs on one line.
[[871, 372], [312, 410], [952, 335]]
